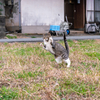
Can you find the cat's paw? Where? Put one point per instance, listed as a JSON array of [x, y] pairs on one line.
[[68, 65], [41, 44]]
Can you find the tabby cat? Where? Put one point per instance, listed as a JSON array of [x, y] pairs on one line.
[[59, 52]]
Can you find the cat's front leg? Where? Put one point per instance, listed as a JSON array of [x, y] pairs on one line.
[[41, 44], [44, 46]]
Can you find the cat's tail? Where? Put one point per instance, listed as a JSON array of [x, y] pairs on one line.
[[66, 44]]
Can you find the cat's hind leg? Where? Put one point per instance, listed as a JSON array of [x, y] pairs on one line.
[[68, 62], [58, 60]]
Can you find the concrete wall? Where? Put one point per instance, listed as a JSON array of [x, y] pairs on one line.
[[37, 15], [12, 18], [2, 19], [2, 7]]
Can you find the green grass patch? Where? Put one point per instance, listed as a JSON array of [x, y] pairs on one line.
[[8, 94], [80, 88], [36, 88], [33, 37], [24, 51], [86, 41], [93, 55], [26, 75], [11, 37], [1, 65], [5, 43]]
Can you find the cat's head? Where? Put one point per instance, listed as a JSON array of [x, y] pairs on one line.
[[47, 38]]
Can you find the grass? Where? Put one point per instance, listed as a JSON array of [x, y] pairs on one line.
[[11, 37], [28, 72], [33, 37], [8, 93]]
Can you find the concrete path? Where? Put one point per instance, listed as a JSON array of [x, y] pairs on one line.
[[55, 38]]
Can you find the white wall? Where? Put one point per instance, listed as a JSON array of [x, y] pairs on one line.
[[41, 13]]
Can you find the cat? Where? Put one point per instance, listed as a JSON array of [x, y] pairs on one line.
[[59, 52]]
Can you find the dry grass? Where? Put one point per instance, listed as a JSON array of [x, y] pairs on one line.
[[28, 72]]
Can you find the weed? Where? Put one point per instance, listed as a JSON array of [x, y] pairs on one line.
[[5, 43], [11, 37], [26, 34], [33, 37]]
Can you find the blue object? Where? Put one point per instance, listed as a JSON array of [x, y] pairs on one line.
[[68, 31], [54, 28]]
